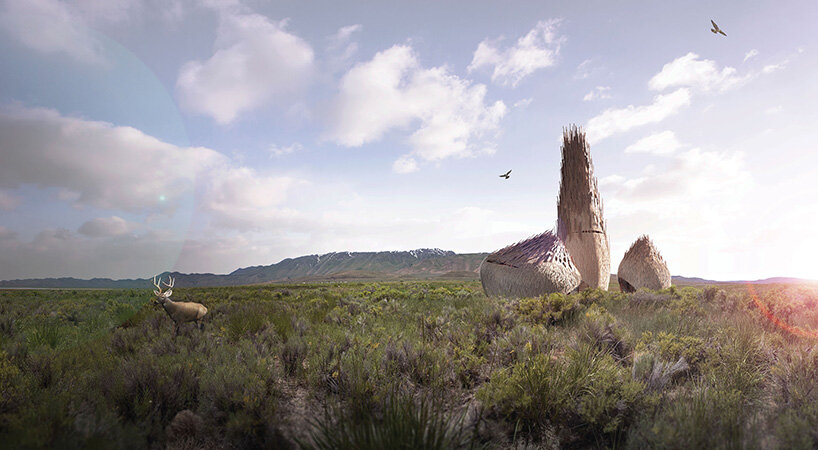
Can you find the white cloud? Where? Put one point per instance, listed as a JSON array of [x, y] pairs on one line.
[[538, 49], [589, 68], [662, 143], [770, 68], [97, 163], [392, 91], [344, 33], [612, 121], [700, 74], [106, 226], [692, 205], [254, 60], [341, 48], [751, 54], [523, 103], [599, 92], [277, 150], [121, 168], [240, 198], [690, 174], [8, 201], [60, 252], [405, 164], [50, 26]]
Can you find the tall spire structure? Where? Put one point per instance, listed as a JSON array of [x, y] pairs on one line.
[[580, 223]]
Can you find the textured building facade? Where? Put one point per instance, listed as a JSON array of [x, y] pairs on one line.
[[580, 222], [530, 268], [642, 267]]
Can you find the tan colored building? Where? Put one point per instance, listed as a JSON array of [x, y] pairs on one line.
[[580, 222], [643, 267], [530, 268]]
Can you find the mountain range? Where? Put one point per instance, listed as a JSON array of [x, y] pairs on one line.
[[424, 263]]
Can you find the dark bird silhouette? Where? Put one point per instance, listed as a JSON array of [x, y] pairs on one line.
[[506, 175], [716, 28]]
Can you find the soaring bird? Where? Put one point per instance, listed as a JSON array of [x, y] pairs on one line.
[[506, 175], [716, 28]]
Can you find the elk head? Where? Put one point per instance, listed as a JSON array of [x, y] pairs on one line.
[[162, 297]]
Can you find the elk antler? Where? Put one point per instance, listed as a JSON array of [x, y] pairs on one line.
[[170, 286], [157, 285]]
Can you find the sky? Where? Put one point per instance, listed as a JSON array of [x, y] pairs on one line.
[[138, 136]]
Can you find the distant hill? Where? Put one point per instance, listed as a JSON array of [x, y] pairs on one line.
[[425, 263]]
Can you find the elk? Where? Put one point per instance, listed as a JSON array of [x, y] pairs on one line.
[[179, 312]]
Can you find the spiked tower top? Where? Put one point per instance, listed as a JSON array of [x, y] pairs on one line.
[[579, 206]]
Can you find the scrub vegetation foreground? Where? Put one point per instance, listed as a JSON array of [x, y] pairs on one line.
[[409, 365]]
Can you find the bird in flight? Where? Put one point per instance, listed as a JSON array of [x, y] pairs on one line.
[[506, 175], [716, 28]]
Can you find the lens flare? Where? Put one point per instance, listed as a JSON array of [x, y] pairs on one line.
[[792, 329]]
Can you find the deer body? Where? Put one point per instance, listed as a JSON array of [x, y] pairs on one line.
[[179, 312]]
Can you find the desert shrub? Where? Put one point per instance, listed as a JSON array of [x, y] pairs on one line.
[[736, 360], [292, 355], [6, 324], [359, 382], [602, 330], [795, 428], [153, 392], [670, 347], [467, 365], [795, 377], [584, 391], [648, 297], [495, 322], [47, 333], [185, 426], [404, 424], [420, 363], [245, 321], [700, 416], [41, 368], [241, 400], [597, 295], [431, 327], [655, 373], [123, 341], [549, 309], [10, 394], [712, 294]]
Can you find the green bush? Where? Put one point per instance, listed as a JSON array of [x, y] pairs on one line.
[[583, 390], [700, 416], [670, 347], [404, 424], [549, 309]]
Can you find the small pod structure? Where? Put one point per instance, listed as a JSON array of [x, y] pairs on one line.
[[643, 267], [530, 268]]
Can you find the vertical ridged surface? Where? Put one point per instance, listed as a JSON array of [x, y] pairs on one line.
[[580, 221]]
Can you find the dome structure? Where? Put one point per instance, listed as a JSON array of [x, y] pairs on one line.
[[530, 268], [642, 267], [580, 223]]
